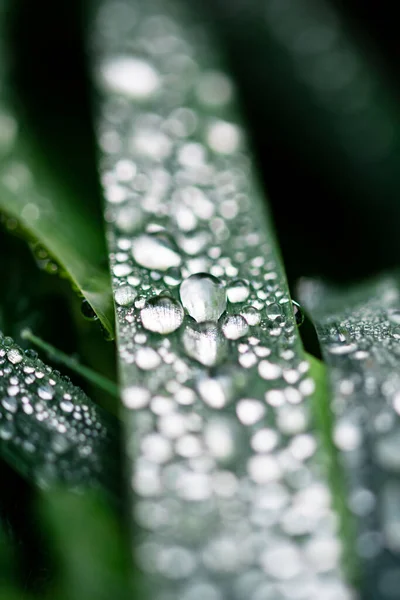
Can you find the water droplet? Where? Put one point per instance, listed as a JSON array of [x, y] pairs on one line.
[[234, 327], [129, 219], [155, 251], [251, 315], [88, 311], [162, 314], [238, 291], [125, 295], [147, 359], [173, 276], [250, 411], [205, 343], [203, 296], [46, 392], [394, 316], [130, 76], [274, 311], [6, 430], [14, 356], [10, 404], [298, 313]]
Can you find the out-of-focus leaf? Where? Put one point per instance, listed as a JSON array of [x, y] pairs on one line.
[[359, 331], [38, 206], [227, 477], [89, 548]]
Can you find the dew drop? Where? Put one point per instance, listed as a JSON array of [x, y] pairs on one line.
[[155, 251], [125, 295], [205, 343], [274, 311], [130, 76], [88, 311], [6, 430], [394, 316], [14, 356], [46, 392], [234, 327], [203, 296], [298, 313], [251, 315], [238, 291], [10, 404], [162, 314]]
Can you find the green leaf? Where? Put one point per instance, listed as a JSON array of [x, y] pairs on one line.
[[50, 432], [359, 332], [40, 207], [227, 477], [88, 546]]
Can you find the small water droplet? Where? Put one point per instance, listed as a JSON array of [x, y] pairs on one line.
[[298, 313], [203, 296], [125, 295], [155, 251], [46, 392], [162, 314], [88, 311], [10, 404], [251, 315], [274, 311], [14, 356], [6, 430], [173, 276], [238, 291], [205, 343], [234, 327]]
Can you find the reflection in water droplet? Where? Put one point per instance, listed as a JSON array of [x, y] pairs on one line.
[[125, 295], [14, 356], [155, 251], [203, 296], [251, 315], [162, 314], [238, 291], [205, 343], [234, 327], [298, 313]]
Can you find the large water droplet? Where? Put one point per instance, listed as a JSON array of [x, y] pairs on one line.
[[155, 251], [234, 327], [162, 314], [205, 343], [238, 291], [203, 296]]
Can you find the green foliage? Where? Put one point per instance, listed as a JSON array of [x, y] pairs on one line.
[[249, 468]]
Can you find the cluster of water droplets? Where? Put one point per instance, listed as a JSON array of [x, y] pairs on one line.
[[229, 496], [49, 429], [359, 331]]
